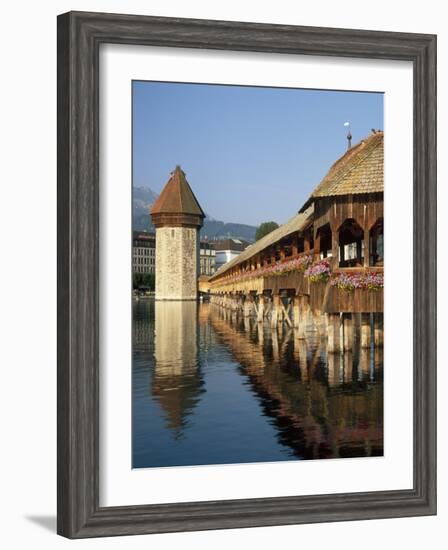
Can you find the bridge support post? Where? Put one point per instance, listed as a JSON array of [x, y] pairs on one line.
[[287, 310], [334, 333], [296, 310], [347, 321], [364, 362], [301, 313], [365, 330], [260, 311], [248, 305], [246, 321], [378, 358], [280, 311], [334, 369], [300, 355], [347, 359], [378, 329], [276, 306], [240, 303], [306, 311], [275, 344], [321, 323]]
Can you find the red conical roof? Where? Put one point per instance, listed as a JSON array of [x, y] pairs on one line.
[[177, 197]]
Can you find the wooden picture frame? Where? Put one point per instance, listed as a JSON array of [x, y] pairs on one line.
[[79, 38]]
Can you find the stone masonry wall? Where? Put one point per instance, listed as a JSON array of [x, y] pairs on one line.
[[177, 258]]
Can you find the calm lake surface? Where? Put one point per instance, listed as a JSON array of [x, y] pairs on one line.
[[213, 388]]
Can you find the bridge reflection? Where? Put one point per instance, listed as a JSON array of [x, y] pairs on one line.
[[319, 404], [325, 405]]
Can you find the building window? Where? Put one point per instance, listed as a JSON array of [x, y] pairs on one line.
[[287, 249], [277, 253], [376, 240], [351, 244], [324, 236]]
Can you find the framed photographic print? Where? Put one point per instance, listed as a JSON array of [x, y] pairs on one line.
[[246, 274]]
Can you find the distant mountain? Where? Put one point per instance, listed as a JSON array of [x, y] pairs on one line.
[[144, 197], [215, 230]]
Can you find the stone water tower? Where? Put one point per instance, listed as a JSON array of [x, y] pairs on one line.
[[177, 217]]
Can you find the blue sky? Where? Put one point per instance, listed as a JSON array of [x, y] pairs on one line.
[[250, 154]]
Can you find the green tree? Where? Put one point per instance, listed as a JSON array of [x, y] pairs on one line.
[[264, 229], [144, 280]]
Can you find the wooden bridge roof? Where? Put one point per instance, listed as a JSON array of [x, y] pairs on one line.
[[359, 170], [297, 223]]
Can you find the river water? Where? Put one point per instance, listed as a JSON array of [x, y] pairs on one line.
[[210, 387]]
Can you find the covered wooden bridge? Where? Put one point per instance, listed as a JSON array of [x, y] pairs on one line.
[[324, 267]]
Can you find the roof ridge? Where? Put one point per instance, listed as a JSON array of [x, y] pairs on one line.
[[267, 240], [357, 161], [179, 183], [337, 174]]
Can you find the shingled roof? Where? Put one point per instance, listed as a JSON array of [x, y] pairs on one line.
[[359, 170], [177, 197], [297, 223]]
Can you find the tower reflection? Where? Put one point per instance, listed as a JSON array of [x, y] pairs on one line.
[[176, 381], [211, 387]]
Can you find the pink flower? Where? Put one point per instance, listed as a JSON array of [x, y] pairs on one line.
[[318, 271], [367, 280], [277, 269]]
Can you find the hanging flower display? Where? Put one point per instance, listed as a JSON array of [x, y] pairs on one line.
[[367, 280], [281, 268], [319, 271], [274, 270]]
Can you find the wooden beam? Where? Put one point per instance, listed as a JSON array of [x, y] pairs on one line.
[[334, 334], [378, 329], [286, 311], [260, 308], [335, 244], [275, 310], [366, 248], [348, 331], [366, 335]]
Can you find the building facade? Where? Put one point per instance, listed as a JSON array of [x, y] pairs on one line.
[[227, 250], [207, 259], [177, 217], [143, 252]]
